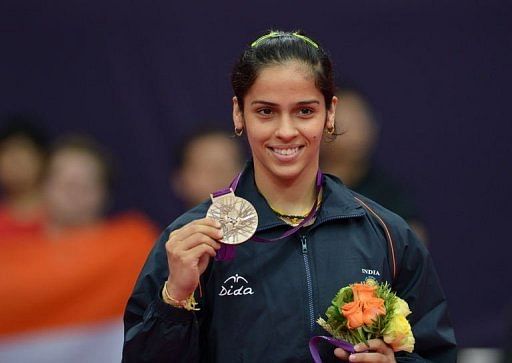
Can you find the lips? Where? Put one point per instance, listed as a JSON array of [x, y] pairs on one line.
[[285, 153], [288, 151]]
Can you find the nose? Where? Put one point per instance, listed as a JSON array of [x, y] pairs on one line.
[[286, 128]]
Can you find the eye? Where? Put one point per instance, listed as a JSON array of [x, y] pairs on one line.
[[305, 111], [265, 112]]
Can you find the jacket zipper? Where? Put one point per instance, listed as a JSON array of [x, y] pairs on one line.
[[309, 282]]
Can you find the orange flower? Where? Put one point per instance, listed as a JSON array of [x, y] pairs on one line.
[[354, 314], [365, 308], [372, 308], [363, 292]]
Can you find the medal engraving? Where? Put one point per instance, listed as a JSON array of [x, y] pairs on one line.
[[237, 217]]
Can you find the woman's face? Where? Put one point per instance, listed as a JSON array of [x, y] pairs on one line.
[[75, 188], [210, 163], [284, 118], [21, 165]]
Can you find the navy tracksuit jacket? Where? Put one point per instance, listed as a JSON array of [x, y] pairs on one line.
[[262, 306]]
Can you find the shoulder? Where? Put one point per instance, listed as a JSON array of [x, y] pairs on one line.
[[400, 231], [336, 186], [407, 250], [348, 196], [386, 190], [391, 218]]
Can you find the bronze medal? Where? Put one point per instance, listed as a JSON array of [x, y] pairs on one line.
[[236, 215]]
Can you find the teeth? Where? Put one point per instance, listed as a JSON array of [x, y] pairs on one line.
[[286, 151]]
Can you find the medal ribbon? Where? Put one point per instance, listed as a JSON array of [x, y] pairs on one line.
[[227, 252], [313, 346]]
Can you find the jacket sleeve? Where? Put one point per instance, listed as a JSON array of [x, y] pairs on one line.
[[153, 330], [417, 283]]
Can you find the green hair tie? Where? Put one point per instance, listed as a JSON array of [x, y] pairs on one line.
[[306, 39], [277, 34], [264, 37]]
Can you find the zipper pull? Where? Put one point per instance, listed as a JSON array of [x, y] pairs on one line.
[[304, 244]]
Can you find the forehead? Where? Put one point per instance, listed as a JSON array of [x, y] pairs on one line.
[[285, 80], [74, 162]]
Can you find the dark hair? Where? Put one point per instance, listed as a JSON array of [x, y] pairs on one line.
[[20, 125], [277, 47]]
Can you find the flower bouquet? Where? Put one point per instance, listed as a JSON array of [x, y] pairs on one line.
[[368, 310]]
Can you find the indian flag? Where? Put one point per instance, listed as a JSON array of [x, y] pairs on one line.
[[62, 297]]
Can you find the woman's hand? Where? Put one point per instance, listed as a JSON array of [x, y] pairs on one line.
[[189, 250], [378, 352]]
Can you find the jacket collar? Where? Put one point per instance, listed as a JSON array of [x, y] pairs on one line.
[[337, 200]]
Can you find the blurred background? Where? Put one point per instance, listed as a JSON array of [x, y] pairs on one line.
[[139, 78]]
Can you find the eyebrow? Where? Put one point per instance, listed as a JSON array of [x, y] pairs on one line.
[[256, 102], [306, 102]]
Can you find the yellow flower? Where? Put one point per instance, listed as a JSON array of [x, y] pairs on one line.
[[401, 307], [398, 334]]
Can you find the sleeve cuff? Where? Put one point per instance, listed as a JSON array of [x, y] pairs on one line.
[[169, 312]]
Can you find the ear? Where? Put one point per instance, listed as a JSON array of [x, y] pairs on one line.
[[238, 116], [331, 113]]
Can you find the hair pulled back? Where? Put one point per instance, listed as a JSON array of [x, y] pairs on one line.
[[279, 47]]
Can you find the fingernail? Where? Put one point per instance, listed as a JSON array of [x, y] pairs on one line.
[[352, 357]]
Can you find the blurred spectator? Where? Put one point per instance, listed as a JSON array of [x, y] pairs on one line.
[[349, 157], [206, 162], [74, 278], [22, 160], [77, 185]]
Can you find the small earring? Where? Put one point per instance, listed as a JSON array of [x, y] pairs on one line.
[[239, 132], [330, 130]]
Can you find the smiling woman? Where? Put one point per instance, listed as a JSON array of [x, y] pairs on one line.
[[285, 117], [188, 307]]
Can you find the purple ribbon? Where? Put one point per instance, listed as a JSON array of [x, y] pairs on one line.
[[313, 346], [227, 252]]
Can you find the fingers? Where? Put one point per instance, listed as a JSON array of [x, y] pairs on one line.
[[204, 224], [201, 231], [374, 345], [207, 222], [375, 352], [198, 238], [341, 354], [191, 256]]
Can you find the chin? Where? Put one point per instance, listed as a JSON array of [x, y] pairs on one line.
[[288, 172]]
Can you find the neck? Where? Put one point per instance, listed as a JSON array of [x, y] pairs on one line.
[[289, 196], [24, 205]]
